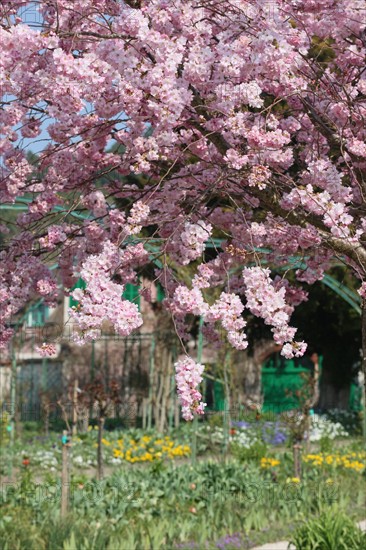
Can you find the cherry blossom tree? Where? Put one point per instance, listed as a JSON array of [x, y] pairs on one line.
[[165, 125]]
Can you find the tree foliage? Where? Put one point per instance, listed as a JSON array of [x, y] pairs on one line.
[[237, 119]]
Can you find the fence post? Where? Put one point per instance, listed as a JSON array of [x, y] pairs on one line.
[[173, 393], [151, 374], [65, 478], [13, 389], [227, 404], [363, 404], [44, 384], [92, 375], [195, 421], [144, 412], [100, 465], [171, 400], [75, 407]]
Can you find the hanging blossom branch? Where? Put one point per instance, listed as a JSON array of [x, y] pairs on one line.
[[188, 376]]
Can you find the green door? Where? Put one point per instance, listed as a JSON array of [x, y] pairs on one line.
[[282, 379]]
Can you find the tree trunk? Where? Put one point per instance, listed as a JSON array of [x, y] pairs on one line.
[[75, 408], [101, 421], [227, 416], [312, 401], [144, 413], [176, 412], [46, 419], [297, 460], [84, 424], [165, 399], [158, 395], [65, 475]]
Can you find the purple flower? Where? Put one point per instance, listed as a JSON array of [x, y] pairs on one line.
[[241, 424], [234, 540], [273, 433]]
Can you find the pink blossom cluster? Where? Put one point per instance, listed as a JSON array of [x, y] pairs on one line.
[[137, 218], [46, 287], [357, 147], [188, 376], [294, 295], [55, 235], [146, 150], [235, 160], [268, 303], [96, 202], [117, 220], [192, 240], [338, 220], [244, 93], [22, 277], [102, 299], [211, 122], [323, 174], [335, 214], [259, 176], [228, 310], [187, 300], [202, 279], [315, 267], [46, 349]]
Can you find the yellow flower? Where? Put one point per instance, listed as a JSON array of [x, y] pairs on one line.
[[346, 461], [269, 462], [293, 480], [117, 453]]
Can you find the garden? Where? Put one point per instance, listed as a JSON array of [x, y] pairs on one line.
[[182, 250], [238, 491]]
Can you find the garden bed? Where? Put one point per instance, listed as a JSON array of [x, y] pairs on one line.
[[155, 495]]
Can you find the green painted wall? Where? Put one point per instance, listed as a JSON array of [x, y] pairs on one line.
[[281, 378]]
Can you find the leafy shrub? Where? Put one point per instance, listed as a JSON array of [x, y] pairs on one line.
[[332, 530]]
